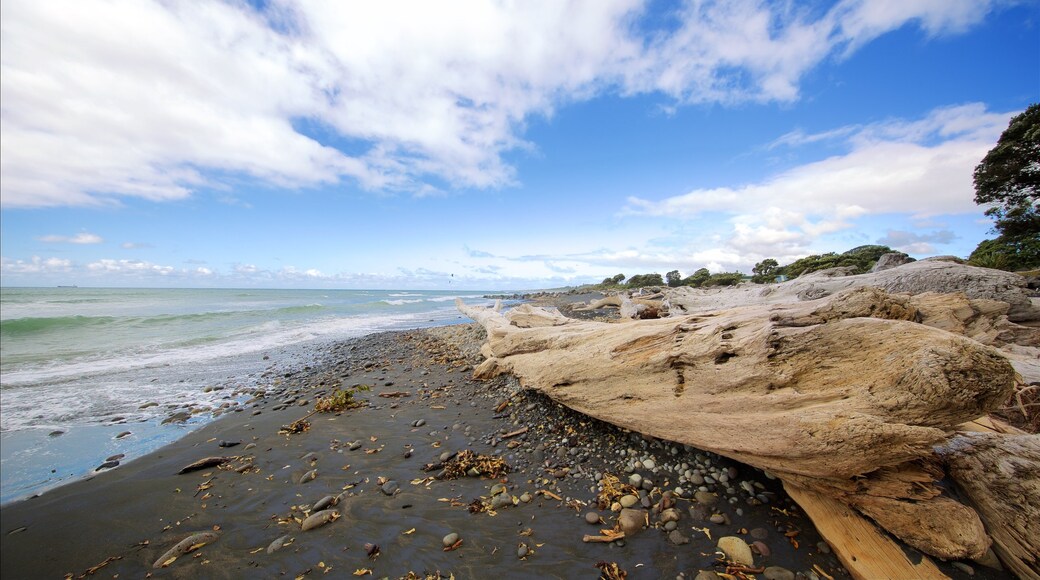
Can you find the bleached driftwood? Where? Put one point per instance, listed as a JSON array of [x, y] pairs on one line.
[[1000, 474], [845, 396], [630, 308]]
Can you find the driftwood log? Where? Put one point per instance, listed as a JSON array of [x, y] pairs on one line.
[[844, 397]]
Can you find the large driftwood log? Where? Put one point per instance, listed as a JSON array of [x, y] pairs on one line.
[[822, 394], [1000, 474]]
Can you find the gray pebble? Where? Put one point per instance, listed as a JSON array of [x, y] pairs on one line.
[[592, 518], [522, 551], [389, 488], [450, 539], [778, 573], [676, 537]]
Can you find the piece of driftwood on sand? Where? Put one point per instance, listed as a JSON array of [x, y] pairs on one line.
[[844, 397]]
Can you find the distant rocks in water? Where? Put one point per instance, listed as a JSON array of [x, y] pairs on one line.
[[123, 434], [179, 417], [148, 405], [107, 465], [56, 433]]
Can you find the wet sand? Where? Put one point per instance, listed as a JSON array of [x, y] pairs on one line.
[[394, 515]]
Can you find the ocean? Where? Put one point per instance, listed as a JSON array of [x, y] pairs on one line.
[[80, 366]]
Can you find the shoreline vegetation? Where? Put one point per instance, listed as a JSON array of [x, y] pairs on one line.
[[369, 489]]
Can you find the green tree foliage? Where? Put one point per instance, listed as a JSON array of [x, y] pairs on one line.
[[724, 279], [673, 278], [697, 279], [641, 280], [861, 259], [618, 278], [1007, 253], [765, 271], [1008, 179]]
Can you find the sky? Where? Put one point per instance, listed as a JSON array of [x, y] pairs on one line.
[[492, 145]]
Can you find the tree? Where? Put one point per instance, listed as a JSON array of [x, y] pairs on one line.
[[765, 271], [1009, 177], [618, 278], [697, 278], [673, 278], [1007, 253], [641, 280]]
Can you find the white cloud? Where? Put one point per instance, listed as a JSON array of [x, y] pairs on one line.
[[110, 266], [80, 238], [139, 98], [920, 168], [36, 265]]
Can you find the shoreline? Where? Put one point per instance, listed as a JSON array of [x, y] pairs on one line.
[[127, 517]]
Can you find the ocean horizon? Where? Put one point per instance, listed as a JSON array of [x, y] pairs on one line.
[[81, 365]]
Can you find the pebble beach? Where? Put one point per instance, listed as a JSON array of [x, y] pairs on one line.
[[371, 490]]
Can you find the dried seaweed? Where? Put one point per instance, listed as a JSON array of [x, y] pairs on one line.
[[612, 490], [466, 460], [341, 400], [611, 571]]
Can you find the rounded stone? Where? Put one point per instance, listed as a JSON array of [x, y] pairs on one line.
[[628, 501], [736, 550], [592, 518], [450, 539]]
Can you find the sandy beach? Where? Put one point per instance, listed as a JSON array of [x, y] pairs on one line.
[[395, 516]]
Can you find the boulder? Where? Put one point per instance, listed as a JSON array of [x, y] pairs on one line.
[[891, 260]]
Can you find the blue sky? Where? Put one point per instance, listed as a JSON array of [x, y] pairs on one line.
[[492, 145]]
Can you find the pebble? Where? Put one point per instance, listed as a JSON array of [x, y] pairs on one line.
[[649, 464], [228, 443], [631, 521], [277, 544], [778, 573], [707, 575], [123, 434], [526, 497], [107, 465], [823, 547], [717, 519], [635, 479], [56, 433], [116, 457], [522, 551], [501, 500], [450, 539], [592, 518], [628, 501], [964, 568], [355, 446], [389, 488], [669, 526], [705, 498], [759, 533], [676, 537], [761, 547], [185, 546], [419, 423], [318, 519], [329, 500], [736, 550], [309, 476]]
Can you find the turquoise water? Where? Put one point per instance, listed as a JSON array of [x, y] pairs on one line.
[[84, 360]]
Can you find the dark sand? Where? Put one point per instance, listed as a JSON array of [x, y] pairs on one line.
[[131, 515]]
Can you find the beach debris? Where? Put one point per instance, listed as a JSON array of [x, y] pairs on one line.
[[298, 426], [341, 400], [613, 490], [316, 520], [611, 571], [186, 546], [93, 569], [466, 461], [204, 463]]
